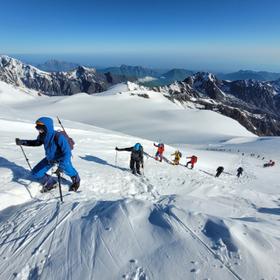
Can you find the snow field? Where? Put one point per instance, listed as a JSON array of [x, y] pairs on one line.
[[171, 223]]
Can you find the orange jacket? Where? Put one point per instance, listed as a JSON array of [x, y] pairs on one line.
[[160, 148]]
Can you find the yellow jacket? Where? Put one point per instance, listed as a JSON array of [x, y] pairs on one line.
[[177, 154]]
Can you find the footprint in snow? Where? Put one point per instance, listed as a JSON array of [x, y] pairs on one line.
[[194, 270]]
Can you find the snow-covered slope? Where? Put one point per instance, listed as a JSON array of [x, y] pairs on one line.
[[124, 108], [171, 223]]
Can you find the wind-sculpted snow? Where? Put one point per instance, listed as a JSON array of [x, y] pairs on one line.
[[219, 233], [170, 223]]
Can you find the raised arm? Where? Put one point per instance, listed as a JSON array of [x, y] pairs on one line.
[[124, 149], [32, 143]]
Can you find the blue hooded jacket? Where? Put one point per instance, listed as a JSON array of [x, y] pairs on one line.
[[56, 149]]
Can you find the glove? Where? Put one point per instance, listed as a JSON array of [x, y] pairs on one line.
[[142, 165], [19, 142], [58, 171]]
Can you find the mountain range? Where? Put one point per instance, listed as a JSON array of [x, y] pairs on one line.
[[249, 75], [161, 76], [133, 71], [80, 79], [54, 65], [165, 77], [254, 104]]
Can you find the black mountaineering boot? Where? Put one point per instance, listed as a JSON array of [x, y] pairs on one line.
[[76, 183]]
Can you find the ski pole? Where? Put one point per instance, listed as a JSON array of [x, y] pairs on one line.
[[27, 160], [59, 185]]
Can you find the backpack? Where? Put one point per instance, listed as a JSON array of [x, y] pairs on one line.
[[180, 154], [160, 148], [70, 140]]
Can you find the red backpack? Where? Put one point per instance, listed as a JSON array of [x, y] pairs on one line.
[[194, 159], [70, 140]]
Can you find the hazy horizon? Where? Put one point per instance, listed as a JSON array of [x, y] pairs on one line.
[[91, 60], [215, 36]]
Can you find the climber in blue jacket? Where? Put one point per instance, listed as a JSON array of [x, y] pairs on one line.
[[57, 150]]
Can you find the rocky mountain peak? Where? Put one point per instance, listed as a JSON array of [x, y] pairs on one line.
[[81, 79], [254, 104]]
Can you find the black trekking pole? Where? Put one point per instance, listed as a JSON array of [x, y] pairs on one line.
[[59, 184], [27, 160], [59, 121]]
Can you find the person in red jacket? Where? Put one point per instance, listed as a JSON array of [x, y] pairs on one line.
[[160, 150], [193, 161]]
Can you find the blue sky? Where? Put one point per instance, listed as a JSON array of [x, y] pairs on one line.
[[215, 35]]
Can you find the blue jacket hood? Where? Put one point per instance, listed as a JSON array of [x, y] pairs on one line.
[[48, 122], [54, 151]]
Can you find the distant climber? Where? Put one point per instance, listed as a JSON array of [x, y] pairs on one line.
[[136, 158], [177, 156], [219, 170], [269, 164], [192, 162], [239, 171], [57, 150], [160, 150]]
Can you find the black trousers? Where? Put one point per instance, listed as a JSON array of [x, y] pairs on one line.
[[218, 173], [189, 162], [135, 165]]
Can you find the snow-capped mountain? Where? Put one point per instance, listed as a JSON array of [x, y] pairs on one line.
[[81, 79], [254, 104]]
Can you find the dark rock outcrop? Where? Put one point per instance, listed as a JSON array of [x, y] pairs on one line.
[[255, 105]]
